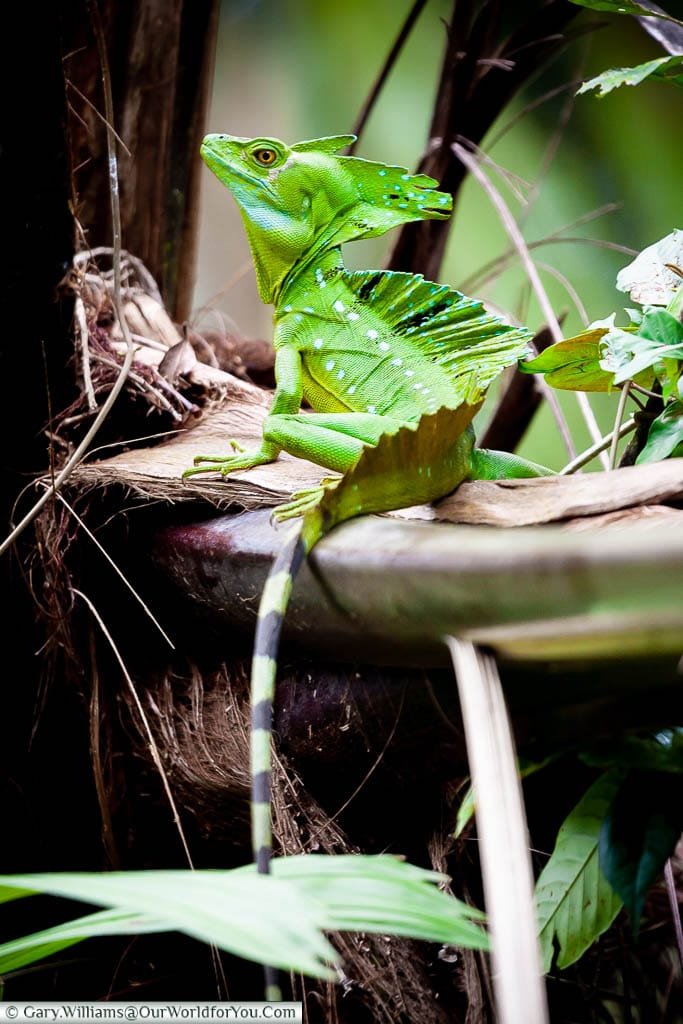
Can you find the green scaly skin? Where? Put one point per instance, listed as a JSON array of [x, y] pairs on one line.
[[370, 351]]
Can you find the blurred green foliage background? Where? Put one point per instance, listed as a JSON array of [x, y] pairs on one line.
[[300, 69]]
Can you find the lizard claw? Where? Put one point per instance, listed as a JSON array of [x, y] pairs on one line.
[[303, 501], [225, 464]]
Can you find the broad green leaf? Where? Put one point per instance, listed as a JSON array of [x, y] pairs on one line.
[[575, 902], [669, 69], [658, 346], [574, 364], [639, 833], [661, 751], [261, 918], [624, 7], [276, 919], [29, 948], [664, 435], [660, 326], [384, 895]]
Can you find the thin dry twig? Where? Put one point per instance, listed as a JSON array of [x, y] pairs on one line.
[[239, 274], [96, 112], [517, 239], [552, 146], [530, 107], [500, 263], [145, 278], [146, 609], [569, 288], [517, 185], [675, 909], [153, 748], [600, 446], [78, 454], [79, 314], [370, 102]]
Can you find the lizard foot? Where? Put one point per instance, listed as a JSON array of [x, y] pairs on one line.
[[304, 500], [225, 464]]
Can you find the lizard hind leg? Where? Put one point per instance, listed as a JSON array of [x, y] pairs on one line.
[[331, 440], [491, 465]]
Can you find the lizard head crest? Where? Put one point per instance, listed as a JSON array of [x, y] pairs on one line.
[[302, 200]]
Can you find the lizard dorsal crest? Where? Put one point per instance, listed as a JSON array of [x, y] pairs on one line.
[[329, 144]]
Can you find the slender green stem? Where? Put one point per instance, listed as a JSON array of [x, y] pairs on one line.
[[623, 398]]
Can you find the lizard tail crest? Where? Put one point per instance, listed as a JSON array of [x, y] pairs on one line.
[[274, 601]]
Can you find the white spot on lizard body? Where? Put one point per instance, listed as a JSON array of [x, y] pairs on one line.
[[339, 306]]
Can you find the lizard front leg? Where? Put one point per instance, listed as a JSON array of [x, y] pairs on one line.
[[287, 400]]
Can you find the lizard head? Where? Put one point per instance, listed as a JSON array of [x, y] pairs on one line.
[[299, 201]]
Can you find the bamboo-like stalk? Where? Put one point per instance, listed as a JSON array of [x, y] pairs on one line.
[[503, 838]]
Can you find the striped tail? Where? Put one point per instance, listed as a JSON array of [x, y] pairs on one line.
[[274, 601]]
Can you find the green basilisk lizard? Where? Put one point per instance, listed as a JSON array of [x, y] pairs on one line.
[[374, 353]]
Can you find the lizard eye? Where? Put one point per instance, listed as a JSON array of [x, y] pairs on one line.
[[264, 156]]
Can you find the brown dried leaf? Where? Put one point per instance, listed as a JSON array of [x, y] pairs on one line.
[[179, 360]]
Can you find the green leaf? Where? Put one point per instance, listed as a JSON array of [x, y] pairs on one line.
[[384, 895], [669, 69], [660, 326], [465, 812], [639, 833], [574, 364], [276, 919], [657, 345], [661, 751], [624, 7], [575, 902], [261, 918], [664, 435], [29, 948]]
